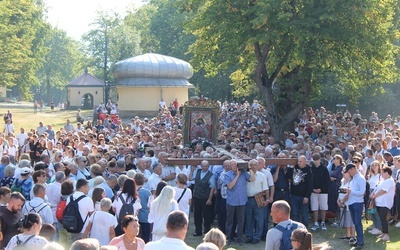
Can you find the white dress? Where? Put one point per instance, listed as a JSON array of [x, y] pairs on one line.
[[160, 220]]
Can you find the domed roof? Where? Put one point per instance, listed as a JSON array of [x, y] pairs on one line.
[[149, 67]]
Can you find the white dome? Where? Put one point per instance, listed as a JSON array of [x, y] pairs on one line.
[[153, 69]]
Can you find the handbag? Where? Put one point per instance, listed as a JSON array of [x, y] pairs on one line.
[[371, 207], [259, 199]]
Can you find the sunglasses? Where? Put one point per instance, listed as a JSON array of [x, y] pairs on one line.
[[355, 161]]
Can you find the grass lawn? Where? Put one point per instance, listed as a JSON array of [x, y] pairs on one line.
[[23, 116], [331, 237]]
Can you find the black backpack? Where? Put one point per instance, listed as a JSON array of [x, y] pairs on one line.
[[72, 220], [286, 243], [367, 193], [127, 208]]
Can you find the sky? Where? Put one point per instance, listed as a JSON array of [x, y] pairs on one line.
[[75, 16]]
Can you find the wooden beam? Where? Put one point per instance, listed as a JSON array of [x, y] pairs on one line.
[[219, 161]]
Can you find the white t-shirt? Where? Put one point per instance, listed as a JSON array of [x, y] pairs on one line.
[[385, 200], [153, 181], [101, 223], [168, 243], [8, 128], [21, 139], [374, 181], [184, 202], [117, 204], [10, 150], [269, 177]]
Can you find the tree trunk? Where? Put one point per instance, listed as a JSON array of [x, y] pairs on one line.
[[48, 88]]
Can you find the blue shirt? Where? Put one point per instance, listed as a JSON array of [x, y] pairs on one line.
[[237, 196], [144, 195], [109, 192], [2, 168], [394, 151]]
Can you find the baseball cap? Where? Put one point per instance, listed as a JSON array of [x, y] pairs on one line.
[[348, 167]]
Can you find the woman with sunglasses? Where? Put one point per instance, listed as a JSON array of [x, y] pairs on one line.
[[31, 224], [69, 154], [128, 240]]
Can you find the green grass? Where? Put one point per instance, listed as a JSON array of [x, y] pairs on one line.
[[23, 116], [331, 237]]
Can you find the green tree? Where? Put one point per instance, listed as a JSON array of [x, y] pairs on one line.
[[140, 20], [22, 34], [286, 48], [109, 41], [97, 43], [62, 63], [160, 24]]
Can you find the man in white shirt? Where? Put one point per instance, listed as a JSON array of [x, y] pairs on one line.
[[22, 138], [141, 164], [168, 173], [53, 192], [37, 204], [8, 128], [155, 178], [177, 225], [271, 186], [41, 129], [255, 214], [86, 207]]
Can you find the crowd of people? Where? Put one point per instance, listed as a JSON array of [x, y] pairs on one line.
[[126, 194]]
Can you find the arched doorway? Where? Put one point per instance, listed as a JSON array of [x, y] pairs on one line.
[[87, 101]]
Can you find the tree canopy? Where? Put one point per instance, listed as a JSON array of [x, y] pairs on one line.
[[287, 49], [22, 34]]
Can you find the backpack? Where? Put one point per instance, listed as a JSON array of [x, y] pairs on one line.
[[286, 243], [127, 208], [33, 209], [72, 220], [22, 245], [17, 186], [367, 193], [60, 209]]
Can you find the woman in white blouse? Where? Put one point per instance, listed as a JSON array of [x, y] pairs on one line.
[[374, 179], [383, 196], [31, 223], [129, 195]]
